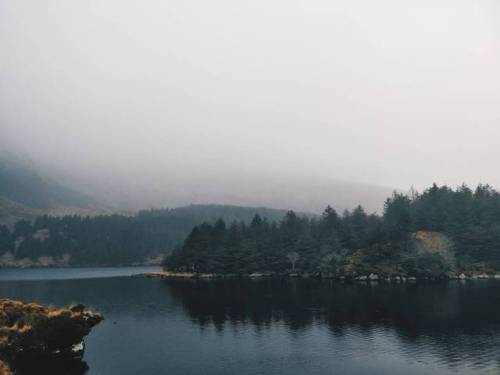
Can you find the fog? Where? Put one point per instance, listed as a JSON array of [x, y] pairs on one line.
[[279, 102]]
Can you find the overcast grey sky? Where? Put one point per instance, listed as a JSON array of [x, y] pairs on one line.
[[389, 92]]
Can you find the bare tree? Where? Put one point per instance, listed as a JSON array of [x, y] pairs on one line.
[[293, 257]]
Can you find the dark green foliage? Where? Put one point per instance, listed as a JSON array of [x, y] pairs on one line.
[[296, 244], [397, 216], [471, 219], [323, 245], [119, 239], [257, 243], [430, 265]]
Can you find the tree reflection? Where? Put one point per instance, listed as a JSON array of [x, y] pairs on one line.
[[49, 366], [455, 320]]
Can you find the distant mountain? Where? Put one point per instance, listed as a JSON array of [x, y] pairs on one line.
[[24, 193], [21, 183], [242, 189]]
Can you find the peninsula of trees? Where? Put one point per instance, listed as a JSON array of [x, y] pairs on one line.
[[441, 231]]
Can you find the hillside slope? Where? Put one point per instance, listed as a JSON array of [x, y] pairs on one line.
[[11, 212], [24, 193]]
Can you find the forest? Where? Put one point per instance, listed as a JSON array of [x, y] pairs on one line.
[[243, 240], [109, 240], [355, 241]]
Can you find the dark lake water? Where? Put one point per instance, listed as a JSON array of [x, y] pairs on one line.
[[155, 326]]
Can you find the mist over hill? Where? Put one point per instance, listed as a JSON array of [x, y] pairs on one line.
[[50, 221], [26, 193], [31, 187], [279, 192], [20, 182]]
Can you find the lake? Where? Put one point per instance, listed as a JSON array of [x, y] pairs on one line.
[[159, 326]]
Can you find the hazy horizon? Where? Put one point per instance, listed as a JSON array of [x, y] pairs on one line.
[[276, 103]]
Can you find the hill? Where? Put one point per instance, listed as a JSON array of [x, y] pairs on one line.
[[24, 193], [11, 212]]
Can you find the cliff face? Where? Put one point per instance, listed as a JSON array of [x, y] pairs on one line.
[[428, 242], [30, 330], [427, 254]]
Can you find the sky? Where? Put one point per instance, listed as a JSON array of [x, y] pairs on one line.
[[166, 100]]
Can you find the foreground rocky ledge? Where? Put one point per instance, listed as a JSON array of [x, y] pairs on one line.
[[4, 370], [29, 331]]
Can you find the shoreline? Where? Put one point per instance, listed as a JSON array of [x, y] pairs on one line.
[[372, 277]]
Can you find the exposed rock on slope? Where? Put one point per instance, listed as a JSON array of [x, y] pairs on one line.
[[428, 254], [427, 242]]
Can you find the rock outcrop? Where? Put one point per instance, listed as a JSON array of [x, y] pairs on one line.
[[428, 242], [30, 330]]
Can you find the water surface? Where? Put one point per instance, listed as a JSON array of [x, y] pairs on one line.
[[155, 326]]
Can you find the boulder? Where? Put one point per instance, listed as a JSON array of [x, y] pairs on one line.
[[256, 275], [79, 308]]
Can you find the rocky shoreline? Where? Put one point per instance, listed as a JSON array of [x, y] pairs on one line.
[[371, 277], [30, 332]]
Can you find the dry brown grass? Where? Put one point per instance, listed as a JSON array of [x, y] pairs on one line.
[[4, 370], [31, 326]]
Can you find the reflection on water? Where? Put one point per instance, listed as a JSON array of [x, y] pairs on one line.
[[282, 326], [459, 321], [52, 367]]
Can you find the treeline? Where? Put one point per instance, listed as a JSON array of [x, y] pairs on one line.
[[114, 239], [355, 240]]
